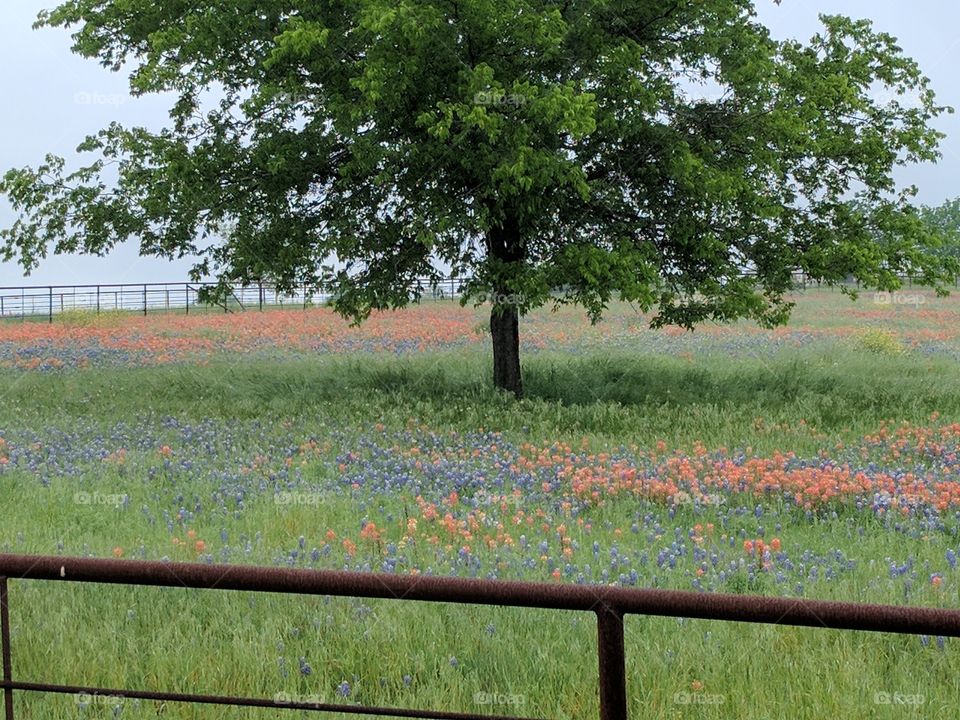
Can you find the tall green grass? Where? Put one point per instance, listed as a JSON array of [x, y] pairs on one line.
[[839, 393]]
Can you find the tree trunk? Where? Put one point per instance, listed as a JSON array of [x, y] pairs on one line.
[[506, 249], [505, 330]]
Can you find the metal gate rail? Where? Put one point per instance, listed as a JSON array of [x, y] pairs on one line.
[[609, 603]]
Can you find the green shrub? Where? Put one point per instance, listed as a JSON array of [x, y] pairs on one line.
[[880, 342]]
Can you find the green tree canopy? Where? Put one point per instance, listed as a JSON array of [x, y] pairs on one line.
[[944, 221], [647, 150]]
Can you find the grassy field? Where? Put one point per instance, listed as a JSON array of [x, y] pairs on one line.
[[818, 460]]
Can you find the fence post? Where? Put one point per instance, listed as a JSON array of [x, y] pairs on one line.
[[260, 287], [5, 649], [613, 676], [186, 297], [144, 300], [50, 307], [98, 299]]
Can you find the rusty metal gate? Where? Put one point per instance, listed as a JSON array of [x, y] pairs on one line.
[[610, 604]]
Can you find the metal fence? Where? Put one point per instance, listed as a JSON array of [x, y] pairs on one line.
[[45, 302], [610, 604]]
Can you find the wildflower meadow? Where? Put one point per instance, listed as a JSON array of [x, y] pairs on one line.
[[820, 460]]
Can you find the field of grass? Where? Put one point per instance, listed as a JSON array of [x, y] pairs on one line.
[[819, 460]]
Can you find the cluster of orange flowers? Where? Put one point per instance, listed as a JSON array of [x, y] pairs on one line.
[[758, 547]]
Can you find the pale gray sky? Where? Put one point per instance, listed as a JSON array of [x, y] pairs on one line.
[[53, 99]]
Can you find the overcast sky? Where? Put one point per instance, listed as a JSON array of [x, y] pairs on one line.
[[53, 99]]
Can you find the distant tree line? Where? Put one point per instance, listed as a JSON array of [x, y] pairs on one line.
[[944, 222], [940, 226]]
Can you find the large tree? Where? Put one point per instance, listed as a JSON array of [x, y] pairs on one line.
[[651, 151]]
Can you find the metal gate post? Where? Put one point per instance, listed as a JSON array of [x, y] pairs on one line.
[[5, 649], [613, 675]]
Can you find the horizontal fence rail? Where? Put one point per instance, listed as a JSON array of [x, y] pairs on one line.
[[609, 603], [47, 301]]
